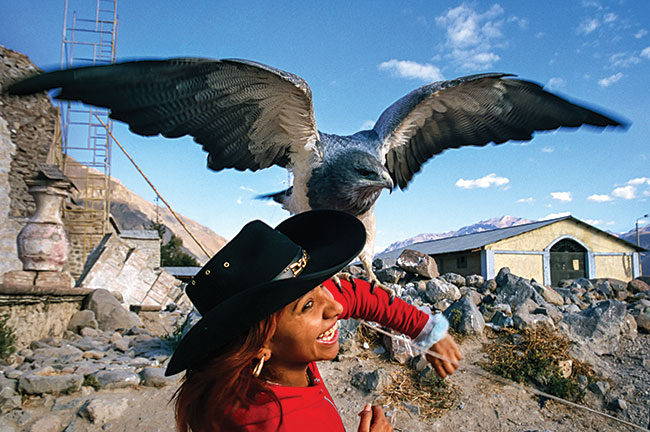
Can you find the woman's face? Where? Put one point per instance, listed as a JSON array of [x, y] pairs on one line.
[[307, 330]]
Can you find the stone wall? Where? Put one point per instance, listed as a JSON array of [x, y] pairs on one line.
[[27, 128], [37, 316], [9, 226]]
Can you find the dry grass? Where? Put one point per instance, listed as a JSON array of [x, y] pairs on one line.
[[433, 396], [533, 356]]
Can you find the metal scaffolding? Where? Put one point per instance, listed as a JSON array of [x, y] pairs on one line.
[[89, 38]]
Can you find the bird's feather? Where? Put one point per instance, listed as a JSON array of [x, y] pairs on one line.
[[245, 114], [470, 111]]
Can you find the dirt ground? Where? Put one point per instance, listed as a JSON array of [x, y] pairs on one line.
[[482, 404]]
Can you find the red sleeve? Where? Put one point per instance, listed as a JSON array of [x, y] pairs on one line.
[[360, 303]]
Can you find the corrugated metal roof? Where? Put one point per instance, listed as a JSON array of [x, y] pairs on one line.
[[478, 240]]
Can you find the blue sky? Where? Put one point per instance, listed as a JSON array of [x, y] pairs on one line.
[[359, 57]]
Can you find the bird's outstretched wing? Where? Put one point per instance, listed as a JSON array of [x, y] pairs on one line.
[[245, 114], [470, 111]]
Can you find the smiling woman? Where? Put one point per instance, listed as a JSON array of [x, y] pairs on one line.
[[269, 312]]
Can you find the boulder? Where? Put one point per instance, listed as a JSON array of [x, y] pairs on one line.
[[437, 290], [549, 294], [465, 318], [81, 319], [596, 329], [454, 278], [515, 290], [101, 411], [474, 281], [54, 384], [370, 382], [113, 379], [418, 263], [489, 286], [154, 377], [109, 313], [637, 285], [390, 275]]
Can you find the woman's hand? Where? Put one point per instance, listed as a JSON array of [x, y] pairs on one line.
[[374, 420], [448, 349]]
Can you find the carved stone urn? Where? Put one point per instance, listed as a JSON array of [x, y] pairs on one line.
[[43, 242]]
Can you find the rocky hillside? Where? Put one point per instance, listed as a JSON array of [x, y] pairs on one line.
[[132, 212], [485, 225]]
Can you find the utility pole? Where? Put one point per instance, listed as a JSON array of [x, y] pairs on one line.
[[638, 243]]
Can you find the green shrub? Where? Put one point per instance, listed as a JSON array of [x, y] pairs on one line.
[[533, 357]]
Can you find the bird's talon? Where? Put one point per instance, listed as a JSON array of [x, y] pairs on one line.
[[373, 284], [337, 282]]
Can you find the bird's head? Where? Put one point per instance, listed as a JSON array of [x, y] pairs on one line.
[[351, 181]]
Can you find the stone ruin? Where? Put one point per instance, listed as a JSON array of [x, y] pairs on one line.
[[37, 292]]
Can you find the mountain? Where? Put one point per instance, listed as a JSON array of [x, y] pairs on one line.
[[485, 225], [644, 237], [132, 212]]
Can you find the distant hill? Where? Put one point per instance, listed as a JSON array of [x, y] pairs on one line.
[[485, 225], [644, 237], [132, 212]]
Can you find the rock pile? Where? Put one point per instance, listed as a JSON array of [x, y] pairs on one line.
[[592, 314], [108, 349], [105, 347]]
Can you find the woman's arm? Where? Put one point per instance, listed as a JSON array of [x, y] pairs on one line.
[[359, 302], [428, 331]]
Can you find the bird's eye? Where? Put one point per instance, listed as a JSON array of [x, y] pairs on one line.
[[364, 172]]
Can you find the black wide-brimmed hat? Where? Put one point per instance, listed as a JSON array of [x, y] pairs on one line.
[[260, 271]]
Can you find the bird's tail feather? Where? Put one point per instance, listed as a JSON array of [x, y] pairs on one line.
[[281, 197]]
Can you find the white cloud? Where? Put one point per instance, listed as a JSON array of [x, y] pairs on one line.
[[639, 181], [625, 192], [526, 200], [483, 182], [646, 53], [548, 149], [610, 17], [594, 221], [641, 33], [610, 223], [599, 198], [239, 201], [623, 60], [472, 37], [588, 25], [606, 82], [247, 189], [556, 215], [412, 70], [556, 83], [562, 196], [368, 124]]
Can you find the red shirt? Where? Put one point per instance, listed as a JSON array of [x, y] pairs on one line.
[[312, 408]]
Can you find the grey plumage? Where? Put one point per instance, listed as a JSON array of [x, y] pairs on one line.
[[247, 115]]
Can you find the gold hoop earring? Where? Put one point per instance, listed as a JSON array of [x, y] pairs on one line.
[[258, 369]]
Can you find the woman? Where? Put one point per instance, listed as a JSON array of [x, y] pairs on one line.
[[269, 312]]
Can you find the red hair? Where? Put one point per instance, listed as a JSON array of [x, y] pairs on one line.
[[214, 388]]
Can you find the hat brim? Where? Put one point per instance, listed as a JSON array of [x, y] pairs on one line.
[[331, 238]]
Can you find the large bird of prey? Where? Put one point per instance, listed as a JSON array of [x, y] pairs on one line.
[[248, 115]]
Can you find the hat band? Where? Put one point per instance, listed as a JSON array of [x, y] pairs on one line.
[[295, 267]]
